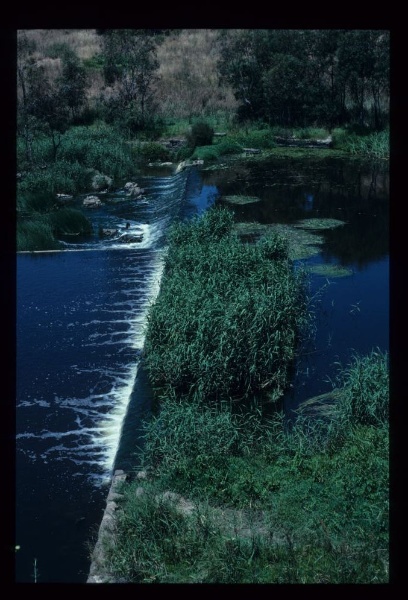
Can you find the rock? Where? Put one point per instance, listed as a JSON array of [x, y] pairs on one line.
[[181, 166], [101, 182], [131, 238], [133, 190], [251, 150], [108, 232], [173, 143], [91, 201]]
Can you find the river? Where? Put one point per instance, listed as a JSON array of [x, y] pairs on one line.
[[81, 315]]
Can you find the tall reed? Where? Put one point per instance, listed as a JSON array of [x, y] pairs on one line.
[[228, 315]]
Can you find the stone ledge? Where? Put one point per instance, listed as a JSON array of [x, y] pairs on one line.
[[97, 572]]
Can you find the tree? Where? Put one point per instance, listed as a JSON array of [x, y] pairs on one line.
[[296, 77], [47, 104], [72, 82], [131, 63]]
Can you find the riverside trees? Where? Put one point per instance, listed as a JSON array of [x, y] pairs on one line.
[[297, 78]]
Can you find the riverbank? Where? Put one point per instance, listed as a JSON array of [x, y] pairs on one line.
[[306, 506]]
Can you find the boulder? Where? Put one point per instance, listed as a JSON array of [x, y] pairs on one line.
[[91, 202], [131, 238], [101, 182], [108, 232], [133, 190]]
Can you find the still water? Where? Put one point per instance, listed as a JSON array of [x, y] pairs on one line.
[[80, 330]]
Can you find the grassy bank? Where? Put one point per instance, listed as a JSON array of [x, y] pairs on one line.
[[254, 502]]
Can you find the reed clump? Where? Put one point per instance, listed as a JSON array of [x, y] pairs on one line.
[[228, 316]]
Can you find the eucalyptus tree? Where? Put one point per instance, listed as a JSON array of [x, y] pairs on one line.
[[130, 66], [364, 63], [46, 105], [73, 82], [303, 77]]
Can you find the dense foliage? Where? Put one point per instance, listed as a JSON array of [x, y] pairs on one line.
[[228, 315], [297, 78]]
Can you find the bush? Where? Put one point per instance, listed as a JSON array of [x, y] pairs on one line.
[[364, 387], [69, 221], [201, 134], [97, 147], [34, 201], [206, 153], [153, 151]]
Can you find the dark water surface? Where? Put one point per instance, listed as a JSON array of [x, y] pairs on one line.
[[80, 330]]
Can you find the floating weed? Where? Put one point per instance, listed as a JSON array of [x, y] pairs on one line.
[[241, 199], [319, 223], [301, 244], [329, 270]]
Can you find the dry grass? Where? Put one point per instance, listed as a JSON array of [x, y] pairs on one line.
[[188, 83], [85, 42], [188, 80]]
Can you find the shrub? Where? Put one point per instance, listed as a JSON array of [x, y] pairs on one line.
[[34, 201], [152, 151], [68, 221], [201, 134], [206, 153], [364, 387], [36, 234], [97, 147]]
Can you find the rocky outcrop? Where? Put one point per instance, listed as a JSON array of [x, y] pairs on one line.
[[131, 238], [91, 202]]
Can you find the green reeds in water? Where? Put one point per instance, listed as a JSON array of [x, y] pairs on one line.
[[36, 234], [361, 393], [228, 315]]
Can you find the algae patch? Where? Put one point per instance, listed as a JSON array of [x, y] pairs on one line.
[[330, 270], [240, 199], [319, 223], [302, 244]]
